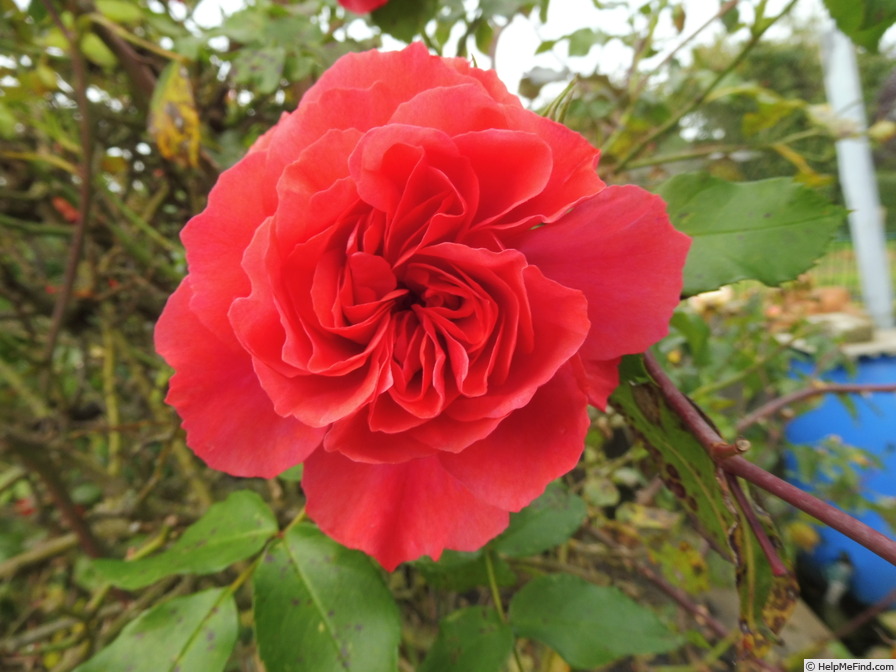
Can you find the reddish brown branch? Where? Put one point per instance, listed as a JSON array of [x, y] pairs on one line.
[[768, 549], [780, 403], [831, 516], [690, 415], [826, 513], [76, 246]]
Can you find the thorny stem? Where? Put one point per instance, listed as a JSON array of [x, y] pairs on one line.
[[690, 414], [831, 516], [780, 403]]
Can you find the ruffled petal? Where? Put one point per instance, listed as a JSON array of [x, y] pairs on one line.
[[229, 420], [215, 240], [619, 248], [533, 446], [396, 512]]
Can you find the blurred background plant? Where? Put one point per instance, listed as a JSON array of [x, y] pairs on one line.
[[115, 119]]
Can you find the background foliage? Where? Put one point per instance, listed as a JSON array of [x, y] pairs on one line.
[[115, 119]]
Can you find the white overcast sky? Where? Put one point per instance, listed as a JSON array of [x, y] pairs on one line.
[[516, 47]]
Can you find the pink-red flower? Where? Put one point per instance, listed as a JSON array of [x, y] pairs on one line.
[[414, 286], [362, 6]]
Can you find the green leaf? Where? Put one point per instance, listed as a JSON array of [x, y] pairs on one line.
[[547, 522], [259, 69], [864, 21], [404, 19], [696, 332], [321, 607], [230, 531], [587, 625], [120, 11], [97, 52], [460, 571], [683, 464], [770, 230], [195, 632], [766, 600], [470, 640]]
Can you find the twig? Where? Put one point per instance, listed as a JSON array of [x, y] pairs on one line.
[[862, 618], [738, 466], [33, 460], [698, 100], [690, 415], [39, 553], [140, 75], [79, 71], [768, 549], [831, 516], [682, 598], [780, 403]]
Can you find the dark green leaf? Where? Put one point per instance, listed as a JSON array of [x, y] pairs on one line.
[[766, 600], [230, 531], [684, 465], [404, 19], [195, 632], [771, 230], [864, 21], [696, 332], [548, 521], [321, 607], [259, 69], [470, 640], [587, 625]]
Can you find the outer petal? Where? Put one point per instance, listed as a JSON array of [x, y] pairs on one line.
[[379, 82], [619, 248], [396, 512], [362, 6], [230, 421], [533, 446], [215, 240]]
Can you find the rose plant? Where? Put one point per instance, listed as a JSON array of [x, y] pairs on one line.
[[415, 286]]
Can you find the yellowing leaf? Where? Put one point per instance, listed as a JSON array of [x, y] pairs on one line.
[[173, 119]]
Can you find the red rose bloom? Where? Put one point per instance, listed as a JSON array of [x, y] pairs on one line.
[[414, 286], [362, 6]]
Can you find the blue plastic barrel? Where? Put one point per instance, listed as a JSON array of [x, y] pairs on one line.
[[872, 427]]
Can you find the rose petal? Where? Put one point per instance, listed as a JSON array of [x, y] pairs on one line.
[[215, 240], [619, 248], [229, 420], [396, 512], [293, 355], [533, 446]]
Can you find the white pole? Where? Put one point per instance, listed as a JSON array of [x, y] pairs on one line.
[[857, 177]]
